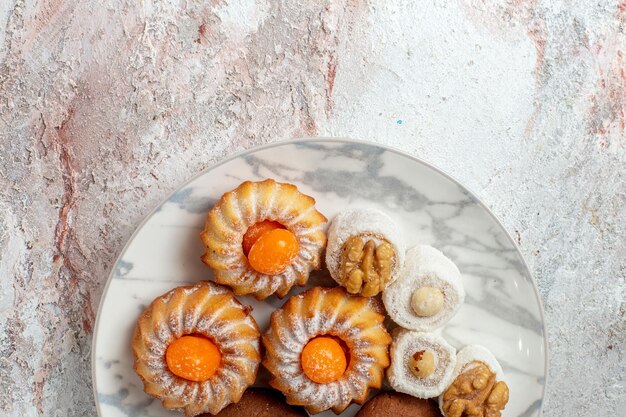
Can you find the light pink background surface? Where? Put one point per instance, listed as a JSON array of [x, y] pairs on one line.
[[107, 106]]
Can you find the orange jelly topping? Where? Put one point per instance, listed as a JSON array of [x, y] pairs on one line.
[[323, 360], [255, 231], [273, 251], [194, 358]]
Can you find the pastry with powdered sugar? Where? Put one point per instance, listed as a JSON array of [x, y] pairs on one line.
[[422, 364], [365, 250], [428, 292], [326, 349], [264, 237], [196, 349]]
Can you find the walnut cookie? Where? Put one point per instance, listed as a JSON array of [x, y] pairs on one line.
[[422, 364]]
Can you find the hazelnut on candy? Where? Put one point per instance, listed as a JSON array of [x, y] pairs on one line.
[[422, 363], [428, 291], [427, 301]]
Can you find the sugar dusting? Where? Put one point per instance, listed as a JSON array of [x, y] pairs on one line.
[[243, 207], [165, 90], [425, 266], [193, 310], [356, 222], [326, 312], [405, 344]]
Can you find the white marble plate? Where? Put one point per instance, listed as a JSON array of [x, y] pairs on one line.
[[502, 310]]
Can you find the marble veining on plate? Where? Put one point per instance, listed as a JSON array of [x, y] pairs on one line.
[[501, 310]]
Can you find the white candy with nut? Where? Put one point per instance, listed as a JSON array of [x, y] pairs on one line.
[[477, 386], [365, 251], [427, 293], [422, 364]]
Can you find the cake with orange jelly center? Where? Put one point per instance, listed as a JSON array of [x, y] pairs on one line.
[[196, 349], [326, 348], [262, 238]]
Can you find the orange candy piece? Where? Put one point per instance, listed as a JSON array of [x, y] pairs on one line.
[[255, 231], [273, 251], [194, 358], [323, 360]]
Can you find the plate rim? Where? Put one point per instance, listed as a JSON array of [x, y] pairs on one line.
[[329, 139]]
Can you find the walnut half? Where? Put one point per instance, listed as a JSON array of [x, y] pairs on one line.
[[365, 267], [475, 393]]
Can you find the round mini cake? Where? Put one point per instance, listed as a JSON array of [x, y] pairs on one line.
[[263, 238], [196, 349], [326, 348], [428, 292], [259, 402], [478, 387], [396, 404], [365, 251], [422, 364]]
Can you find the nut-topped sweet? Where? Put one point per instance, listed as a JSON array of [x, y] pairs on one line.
[[365, 265], [475, 393], [478, 389], [365, 251], [428, 292], [421, 364]]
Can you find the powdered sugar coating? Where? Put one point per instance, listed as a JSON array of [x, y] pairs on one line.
[[473, 353], [366, 221], [405, 344], [253, 202], [468, 358], [212, 311], [357, 321], [424, 266]]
